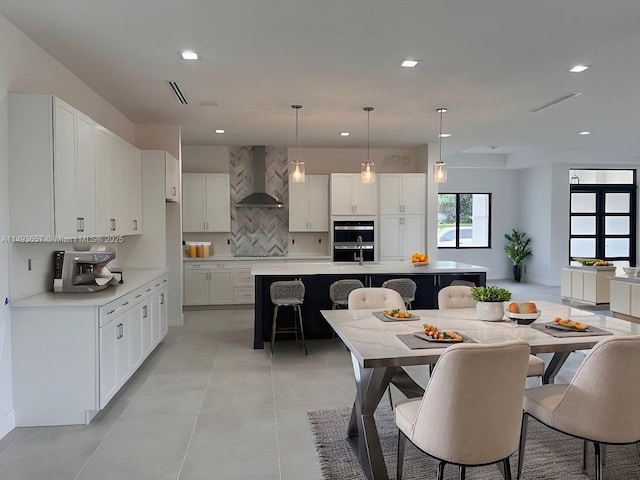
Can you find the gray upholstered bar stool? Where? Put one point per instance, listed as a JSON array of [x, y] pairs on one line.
[[405, 287], [340, 289], [289, 293]]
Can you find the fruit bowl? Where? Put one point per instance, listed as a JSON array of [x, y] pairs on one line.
[[524, 318], [635, 271]]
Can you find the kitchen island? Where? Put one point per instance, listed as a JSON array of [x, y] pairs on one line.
[[317, 277]]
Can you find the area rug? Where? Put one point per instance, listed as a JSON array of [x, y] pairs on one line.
[[548, 454]]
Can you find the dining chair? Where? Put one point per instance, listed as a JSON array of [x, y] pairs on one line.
[[459, 296], [340, 289], [405, 287], [385, 298], [471, 409], [599, 405]]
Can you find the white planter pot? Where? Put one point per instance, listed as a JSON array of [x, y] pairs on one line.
[[490, 311]]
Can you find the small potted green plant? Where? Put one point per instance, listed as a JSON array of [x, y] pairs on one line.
[[490, 300], [518, 248]]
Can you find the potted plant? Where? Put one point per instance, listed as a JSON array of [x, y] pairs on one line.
[[518, 248], [490, 300]]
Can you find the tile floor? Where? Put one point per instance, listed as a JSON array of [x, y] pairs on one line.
[[205, 405]]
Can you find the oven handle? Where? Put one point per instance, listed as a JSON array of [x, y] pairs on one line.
[[353, 228]]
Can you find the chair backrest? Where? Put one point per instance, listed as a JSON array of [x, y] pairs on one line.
[[404, 286], [375, 297], [601, 402], [472, 408], [458, 296], [339, 290], [284, 292]]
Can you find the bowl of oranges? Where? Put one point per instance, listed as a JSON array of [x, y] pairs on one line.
[[419, 259]]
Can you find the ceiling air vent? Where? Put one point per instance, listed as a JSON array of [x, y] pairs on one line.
[[176, 90], [554, 102]]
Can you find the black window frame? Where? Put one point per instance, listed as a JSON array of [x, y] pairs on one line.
[[457, 245]]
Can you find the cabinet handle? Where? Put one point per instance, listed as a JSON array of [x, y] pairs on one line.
[[173, 191], [113, 224], [110, 312], [120, 332], [157, 284], [135, 225], [80, 224], [164, 281], [125, 304], [138, 296], [148, 289], [162, 299], [144, 311]]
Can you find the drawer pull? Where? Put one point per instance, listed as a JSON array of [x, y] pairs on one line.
[[138, 296], [125, 304], [111, 311], [148, 289]]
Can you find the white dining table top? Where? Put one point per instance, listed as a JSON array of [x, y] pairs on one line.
[[374, 343]]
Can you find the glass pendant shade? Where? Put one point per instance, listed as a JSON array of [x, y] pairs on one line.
[[440, 172], [368, 172], [368, 168], [296, 170]]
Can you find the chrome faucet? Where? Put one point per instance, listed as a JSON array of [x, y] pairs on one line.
[[359, 246]]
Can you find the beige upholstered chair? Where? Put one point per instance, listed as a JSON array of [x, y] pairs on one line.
[[374, 297], [385, 298], [600, 405], [471, 410], [459, 296]]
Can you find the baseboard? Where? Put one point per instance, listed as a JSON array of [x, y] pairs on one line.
[[7, 423]]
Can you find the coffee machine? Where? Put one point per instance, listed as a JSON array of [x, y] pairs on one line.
[[82, 271]]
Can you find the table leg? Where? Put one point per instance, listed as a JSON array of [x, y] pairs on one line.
[[556, 363], [370, 385]]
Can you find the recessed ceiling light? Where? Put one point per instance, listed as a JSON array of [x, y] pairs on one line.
[[579, 68], [345, 134], [189, 55], [444, 135], [409, 63], [584, 133], [219, 130]]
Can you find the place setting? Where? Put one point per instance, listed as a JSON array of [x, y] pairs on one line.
[[432, 337]]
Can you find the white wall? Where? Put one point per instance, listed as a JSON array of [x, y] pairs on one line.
[[503, 185]]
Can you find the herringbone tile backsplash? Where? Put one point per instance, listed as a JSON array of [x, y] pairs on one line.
[[259, 231]]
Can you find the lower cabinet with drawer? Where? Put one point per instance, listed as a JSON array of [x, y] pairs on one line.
[[71, 360]]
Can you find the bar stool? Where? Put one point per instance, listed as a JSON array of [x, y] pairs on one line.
[[405, 287], [339, 291], [288, 293]]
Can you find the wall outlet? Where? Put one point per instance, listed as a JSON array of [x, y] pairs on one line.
[[293, 241], [319, 240]]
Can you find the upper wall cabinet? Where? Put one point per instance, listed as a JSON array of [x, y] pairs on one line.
[[309, 204], [172, 175], [51, 168], [206, 202], [349, 196], [402, 193]]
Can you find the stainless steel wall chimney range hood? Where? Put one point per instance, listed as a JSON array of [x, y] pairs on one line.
[[259, 198]]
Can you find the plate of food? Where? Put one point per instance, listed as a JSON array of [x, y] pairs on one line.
[[397, 314], [432, 334], [568, 325]]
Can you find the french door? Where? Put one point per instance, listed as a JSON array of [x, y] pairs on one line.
[[603, 222]]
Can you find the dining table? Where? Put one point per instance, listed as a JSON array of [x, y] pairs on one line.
[[380, 346]]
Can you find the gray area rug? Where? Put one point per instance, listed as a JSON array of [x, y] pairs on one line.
[[548, 454]]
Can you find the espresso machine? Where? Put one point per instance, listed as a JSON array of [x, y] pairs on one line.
[[82, 271]]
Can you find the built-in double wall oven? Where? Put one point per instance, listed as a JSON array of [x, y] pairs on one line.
[[352, 238]]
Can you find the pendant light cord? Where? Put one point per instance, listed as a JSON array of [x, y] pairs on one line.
[[440, 136], [297, 142]]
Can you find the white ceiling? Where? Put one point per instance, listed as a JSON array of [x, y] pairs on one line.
[[489, 62]]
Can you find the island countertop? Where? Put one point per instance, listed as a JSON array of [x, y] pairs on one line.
[[369, 268]]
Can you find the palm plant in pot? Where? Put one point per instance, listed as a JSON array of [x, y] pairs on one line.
[[490, 300], [518, 248]]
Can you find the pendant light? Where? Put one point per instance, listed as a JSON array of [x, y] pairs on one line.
[[440, 168], [368, 169], [296, 172]]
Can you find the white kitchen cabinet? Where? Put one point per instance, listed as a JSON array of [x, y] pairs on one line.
[[172, 175], [402, 193], [625, 299], [132, 181], [586, 284], [51, 168], [208, 283], [400, 236], [91, 350], [349, 196], [206, 202], [309, 204]]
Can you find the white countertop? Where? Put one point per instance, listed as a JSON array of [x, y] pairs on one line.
[[282, 258], [369, 268], [592, 268], [626, 278], [133, 278]]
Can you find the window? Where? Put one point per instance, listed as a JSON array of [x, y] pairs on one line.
[[602, 215], [464, 220]]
